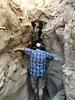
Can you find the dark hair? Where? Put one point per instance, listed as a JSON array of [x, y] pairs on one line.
[[38, 47]]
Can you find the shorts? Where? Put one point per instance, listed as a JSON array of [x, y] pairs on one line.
[[38, 82]]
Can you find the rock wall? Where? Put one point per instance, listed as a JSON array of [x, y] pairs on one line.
[[15, 31], [58, 35]]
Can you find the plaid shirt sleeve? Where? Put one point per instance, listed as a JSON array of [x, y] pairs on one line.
[[27, 51], [49, 56]]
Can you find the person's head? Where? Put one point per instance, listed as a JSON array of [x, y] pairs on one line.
[[38, 45]]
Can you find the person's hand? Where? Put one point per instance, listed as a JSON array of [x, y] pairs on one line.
[[52, 58], [17, 49]]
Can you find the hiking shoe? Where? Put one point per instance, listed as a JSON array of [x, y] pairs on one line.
[[36, 98]]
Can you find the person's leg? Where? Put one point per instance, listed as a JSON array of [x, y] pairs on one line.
[[36, 92], [40, 94], [41, 85], [34, 82]]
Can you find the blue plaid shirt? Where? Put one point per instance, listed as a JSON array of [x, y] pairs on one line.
[[37, 61]]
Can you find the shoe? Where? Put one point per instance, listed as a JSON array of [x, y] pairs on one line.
[[36, 98]]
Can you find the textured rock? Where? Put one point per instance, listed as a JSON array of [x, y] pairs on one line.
[[4, 40], [58, 35], [60, 95], [15, 31], [38, 14], [64, 31]]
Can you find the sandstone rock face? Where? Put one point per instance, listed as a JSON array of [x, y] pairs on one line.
[[61, 38], [15, 31], [58, 35]]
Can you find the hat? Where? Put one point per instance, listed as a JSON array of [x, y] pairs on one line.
[[38, 45]]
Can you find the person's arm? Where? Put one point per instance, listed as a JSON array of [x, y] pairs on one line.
[[18, 49], [49, 56], [25, 50]]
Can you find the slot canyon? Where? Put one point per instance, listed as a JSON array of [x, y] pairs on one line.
[[19, 20]]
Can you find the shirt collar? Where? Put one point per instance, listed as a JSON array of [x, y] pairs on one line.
[[37, 49]]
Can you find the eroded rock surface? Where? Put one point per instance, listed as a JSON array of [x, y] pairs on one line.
[[58, 35], [15, 31]]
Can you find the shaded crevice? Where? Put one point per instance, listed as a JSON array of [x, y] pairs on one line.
[[36, 34], [33, 46], [37, 30], [31, 91], [53, 92]]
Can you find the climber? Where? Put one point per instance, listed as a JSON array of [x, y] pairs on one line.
[[39, 33], [37, 30], [37, 68]]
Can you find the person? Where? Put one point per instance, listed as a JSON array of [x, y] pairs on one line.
[[37, 68], [39, 33]]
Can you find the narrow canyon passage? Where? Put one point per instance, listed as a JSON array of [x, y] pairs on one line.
[[36, 38], [31, 92], [54, 88], [23, 23]]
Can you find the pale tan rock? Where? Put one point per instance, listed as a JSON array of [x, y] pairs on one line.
[[4, 40], [13, 70], [38, 14], [59, 39]]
